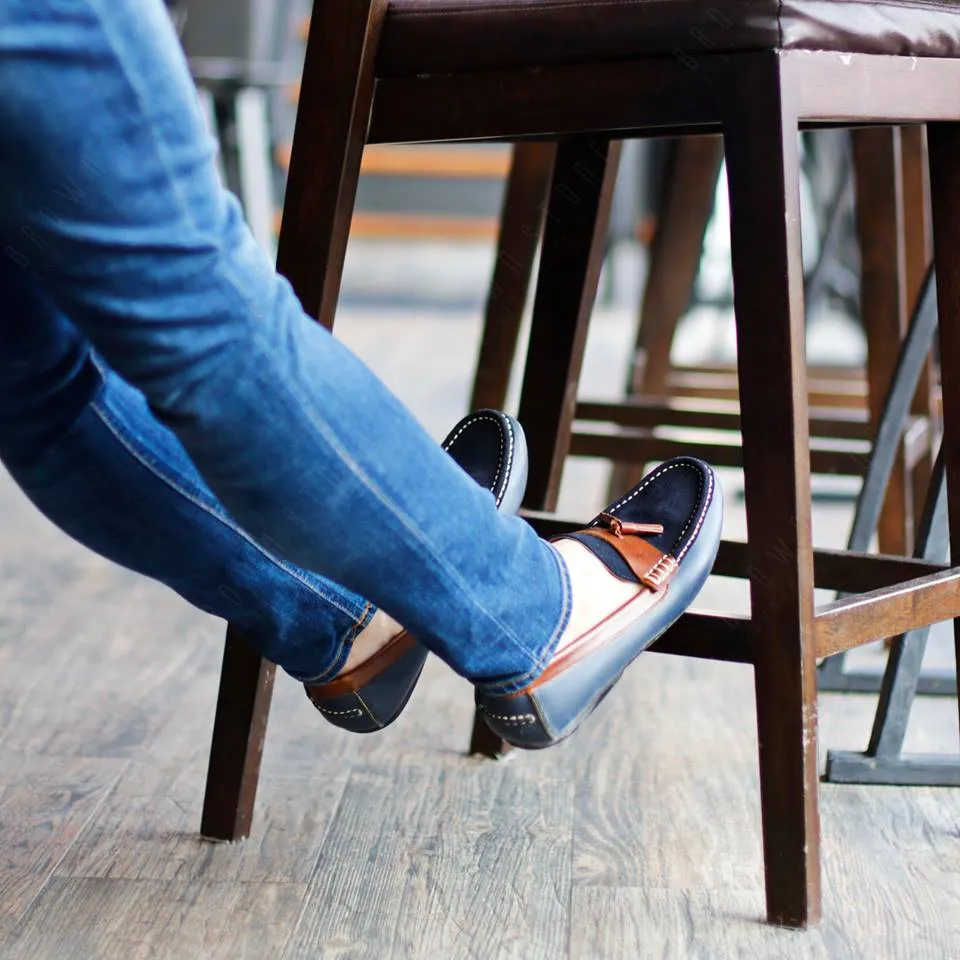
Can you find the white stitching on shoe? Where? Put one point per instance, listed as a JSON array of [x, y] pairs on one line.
[[661, 570], [477, 418], [700, 499], [702, 512], [700, 519], [352, 712], [509, 466], [522, 718], [646, 483]]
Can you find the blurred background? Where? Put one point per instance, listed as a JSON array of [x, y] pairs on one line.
[[427, 216]]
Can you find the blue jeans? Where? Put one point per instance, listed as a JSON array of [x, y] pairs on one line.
[[165, 400]]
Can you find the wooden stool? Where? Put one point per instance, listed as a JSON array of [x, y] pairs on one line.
[[423, 70], [845, 404]]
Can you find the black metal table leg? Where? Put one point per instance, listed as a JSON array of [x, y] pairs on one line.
[[882, 762], [896, 412]]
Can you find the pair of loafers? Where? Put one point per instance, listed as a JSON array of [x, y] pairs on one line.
[[491, 448], [662, 536]]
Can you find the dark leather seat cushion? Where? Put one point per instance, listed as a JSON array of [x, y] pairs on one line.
[[444, 36]]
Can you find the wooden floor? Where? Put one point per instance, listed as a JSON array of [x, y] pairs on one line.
[[639, 838]]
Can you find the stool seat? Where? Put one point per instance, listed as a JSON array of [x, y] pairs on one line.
[[454, 36]]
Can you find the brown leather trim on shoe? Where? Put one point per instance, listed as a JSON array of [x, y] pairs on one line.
[[651, 567], [599, 634], [363, 673]]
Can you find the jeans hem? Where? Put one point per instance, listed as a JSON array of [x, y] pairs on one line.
[[344, 646], [517, 683]]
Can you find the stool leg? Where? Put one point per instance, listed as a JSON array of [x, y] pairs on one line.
[[574, 239], [327, 149], [521, 221], [689, 186], [321, 188], [944, 147], [760, 139], [239, 729], [879, 207], [918, 248]]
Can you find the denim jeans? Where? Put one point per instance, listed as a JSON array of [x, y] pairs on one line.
[[165, 400]]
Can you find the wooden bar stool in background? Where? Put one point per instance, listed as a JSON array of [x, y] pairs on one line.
[[423, 70]]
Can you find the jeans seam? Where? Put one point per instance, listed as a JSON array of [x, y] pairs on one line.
[[108, 421]]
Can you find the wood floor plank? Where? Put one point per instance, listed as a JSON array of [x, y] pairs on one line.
[[890, 872], [644, 923], [44, 805], [140, 648], [675, 802], [463, 859], [871, 910], [147, 829], [86, 919], [38, 611]]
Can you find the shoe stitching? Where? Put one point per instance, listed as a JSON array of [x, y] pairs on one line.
[[700, 518], [520, 718], [352, 712], [478, 418], [509, 467], [665, 566], [701, 514], [699, 511], [646, 483]]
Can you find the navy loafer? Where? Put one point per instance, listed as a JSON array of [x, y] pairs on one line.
[[491, 448], [663, 536]]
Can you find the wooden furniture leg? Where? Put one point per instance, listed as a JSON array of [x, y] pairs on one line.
[[879, 209], [328, 143], [690, 183], [944, 147], [521, 222], [239, 729], [918, 251], [574, 241], [760, 139], [324, 170], [689, 186]]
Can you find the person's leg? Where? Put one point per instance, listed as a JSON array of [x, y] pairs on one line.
[[84, 447], [109, 199]]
